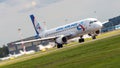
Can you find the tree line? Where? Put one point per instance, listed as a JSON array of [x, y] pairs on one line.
[[4, 51]]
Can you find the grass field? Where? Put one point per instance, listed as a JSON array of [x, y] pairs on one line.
[[101, 53]]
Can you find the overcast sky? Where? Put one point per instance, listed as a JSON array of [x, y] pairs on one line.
[[14, 14]]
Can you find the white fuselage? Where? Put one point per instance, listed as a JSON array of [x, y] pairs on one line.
[[74, 29]]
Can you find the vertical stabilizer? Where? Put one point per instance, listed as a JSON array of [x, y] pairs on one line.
[[36, 25]]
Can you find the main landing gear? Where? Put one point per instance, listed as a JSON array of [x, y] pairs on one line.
[[59, 45], [94, 37]]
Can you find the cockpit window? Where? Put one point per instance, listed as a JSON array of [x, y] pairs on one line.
[[93, 21]]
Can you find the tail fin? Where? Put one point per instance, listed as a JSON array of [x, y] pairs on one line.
[[36, 25]]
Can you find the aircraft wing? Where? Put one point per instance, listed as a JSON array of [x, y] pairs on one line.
[[41, 39]]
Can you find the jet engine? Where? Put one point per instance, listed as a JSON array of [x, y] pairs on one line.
[[61, 40], [97, 32]]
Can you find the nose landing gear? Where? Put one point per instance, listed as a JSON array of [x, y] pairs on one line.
[[81, 39]]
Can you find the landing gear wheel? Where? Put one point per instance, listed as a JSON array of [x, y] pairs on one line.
[[94, 37], [59, 45], [81, 40]]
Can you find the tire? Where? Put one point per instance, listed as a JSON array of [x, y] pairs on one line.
[[59, 45], [93, 37], [81, 40]]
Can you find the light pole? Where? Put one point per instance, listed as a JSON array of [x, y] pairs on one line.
[[21, 38]]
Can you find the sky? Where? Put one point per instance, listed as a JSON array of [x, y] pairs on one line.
[[14, 14]]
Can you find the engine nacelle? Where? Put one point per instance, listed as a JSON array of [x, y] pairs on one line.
[[97, 32], [61, 40]]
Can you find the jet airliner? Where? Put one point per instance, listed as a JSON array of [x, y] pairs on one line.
[[62, 34]]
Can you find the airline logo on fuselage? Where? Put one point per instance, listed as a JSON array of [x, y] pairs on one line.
[[79, 27]]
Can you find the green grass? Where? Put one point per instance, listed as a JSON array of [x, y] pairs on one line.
[[102, 53]]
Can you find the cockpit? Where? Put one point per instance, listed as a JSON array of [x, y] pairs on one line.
[[93, 21]]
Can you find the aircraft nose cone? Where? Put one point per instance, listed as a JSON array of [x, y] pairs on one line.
[[99, 25]]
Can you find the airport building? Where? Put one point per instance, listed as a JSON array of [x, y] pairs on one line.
[[111, 24], [15, 48]]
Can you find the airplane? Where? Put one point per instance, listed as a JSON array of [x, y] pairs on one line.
[[62, 34]]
